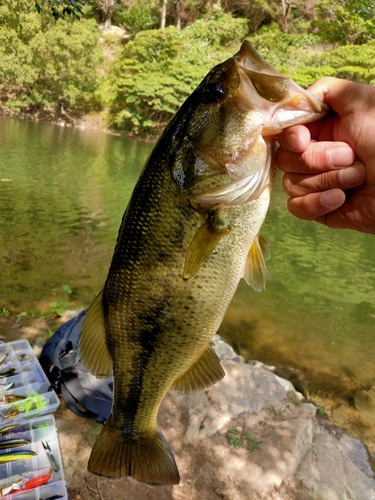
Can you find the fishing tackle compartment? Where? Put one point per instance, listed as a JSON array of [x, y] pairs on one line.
[[31, 463]]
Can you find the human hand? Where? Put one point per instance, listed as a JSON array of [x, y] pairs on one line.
[[329, 165]]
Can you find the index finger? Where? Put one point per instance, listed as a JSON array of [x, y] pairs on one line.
[[295, 139]]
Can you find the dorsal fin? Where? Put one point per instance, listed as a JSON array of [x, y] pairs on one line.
[[92, 342]]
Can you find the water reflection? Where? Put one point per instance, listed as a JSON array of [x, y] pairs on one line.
[[62, 195], [61, 205]]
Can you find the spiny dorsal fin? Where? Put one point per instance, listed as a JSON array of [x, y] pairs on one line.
[[203, 244], [204, 373], [255, 266], [92, 342]]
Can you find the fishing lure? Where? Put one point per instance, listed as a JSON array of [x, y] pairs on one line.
[[10, 488], [3, 359], [13, 443], [12, 398], [33, 401], [8, 372], [15, 428], [15, 456], [6, 387], [37, 481], [21, 485]]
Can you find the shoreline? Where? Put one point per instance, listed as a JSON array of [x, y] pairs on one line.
[[301, 452], [94, 121]]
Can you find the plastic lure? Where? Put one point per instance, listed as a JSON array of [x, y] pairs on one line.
[[14, 456], [6, 387], [13, 443], [15, 428]]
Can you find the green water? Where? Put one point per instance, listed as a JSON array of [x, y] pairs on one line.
[[62, 195]]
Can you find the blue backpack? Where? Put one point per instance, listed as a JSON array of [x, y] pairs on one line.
[[85, 395]]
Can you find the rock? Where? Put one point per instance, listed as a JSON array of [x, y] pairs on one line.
[[246, 388], [301, 457], [328, 472], [365, 403], [297, 456]]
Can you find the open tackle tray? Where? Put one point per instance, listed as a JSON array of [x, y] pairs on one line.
[[30, 459], [24, 387], [41, 462]]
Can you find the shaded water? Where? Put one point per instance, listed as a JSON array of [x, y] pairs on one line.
[[62, 196]]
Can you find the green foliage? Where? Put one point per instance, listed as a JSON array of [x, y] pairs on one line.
[[237, 438], [142, 15], [47, 65], [159, 69], [278, 413], [59, 307], [346, 21], [303, 57], [55, 68], [62, 8], [5, 313]]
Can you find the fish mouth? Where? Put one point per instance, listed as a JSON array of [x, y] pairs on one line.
[[278, 97], [265, 102]]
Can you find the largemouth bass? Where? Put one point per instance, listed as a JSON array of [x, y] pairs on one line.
[[189, 233]]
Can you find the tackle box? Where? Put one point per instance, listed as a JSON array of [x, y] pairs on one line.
[[21, 375]]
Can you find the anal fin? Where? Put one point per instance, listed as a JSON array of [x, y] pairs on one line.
[[204, 373], [92, 342]]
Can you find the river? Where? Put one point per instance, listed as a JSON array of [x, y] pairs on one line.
[[63, 192]]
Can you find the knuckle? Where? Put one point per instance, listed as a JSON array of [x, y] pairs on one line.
[[316, 158]]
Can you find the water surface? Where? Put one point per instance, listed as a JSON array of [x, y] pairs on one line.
[[62, 196]]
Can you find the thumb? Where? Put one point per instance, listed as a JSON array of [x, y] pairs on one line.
[[341, 95]]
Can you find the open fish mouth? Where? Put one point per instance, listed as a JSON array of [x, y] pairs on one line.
[[265, 89], [264, 102]]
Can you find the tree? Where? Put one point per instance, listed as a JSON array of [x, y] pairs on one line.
[[264, 12], [62, 8], [47, 66], [158, 69], [176, 4], [107, 7], [346, 21], [163, 16]]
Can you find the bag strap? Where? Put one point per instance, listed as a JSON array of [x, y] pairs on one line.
[[97, 408]]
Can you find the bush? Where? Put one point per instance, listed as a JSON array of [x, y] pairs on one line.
[[159, 69], [47, 65], [304, 58]]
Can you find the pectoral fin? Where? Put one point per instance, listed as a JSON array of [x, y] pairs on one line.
[[201, 375], [92, 342], [255, 267], [203, 244]]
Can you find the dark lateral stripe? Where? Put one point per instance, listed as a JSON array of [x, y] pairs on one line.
[[147, 339]]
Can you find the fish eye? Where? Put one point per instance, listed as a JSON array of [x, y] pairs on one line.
[[213, 92]]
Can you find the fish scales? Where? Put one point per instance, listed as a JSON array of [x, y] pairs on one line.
[[163, 320], [189, 233]]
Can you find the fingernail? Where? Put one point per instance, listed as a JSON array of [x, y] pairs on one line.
[[354, 175], [340, 156], [293, 141], [332, 198]]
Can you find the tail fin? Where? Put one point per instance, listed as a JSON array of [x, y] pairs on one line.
[[147, 457]]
